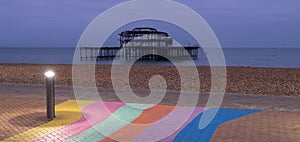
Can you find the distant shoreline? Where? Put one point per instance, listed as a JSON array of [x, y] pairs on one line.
[[240, 80], [237, 57], [152, 65]]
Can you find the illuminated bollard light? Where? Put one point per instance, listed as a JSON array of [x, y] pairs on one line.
[[50, 92]]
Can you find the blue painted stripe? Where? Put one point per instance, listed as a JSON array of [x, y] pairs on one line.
[[193, 134]]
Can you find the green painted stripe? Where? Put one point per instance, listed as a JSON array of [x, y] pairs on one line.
[[113, 123]]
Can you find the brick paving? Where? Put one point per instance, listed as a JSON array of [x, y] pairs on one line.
[[23, 108], [66, 113], [21, 113], [263, 127]]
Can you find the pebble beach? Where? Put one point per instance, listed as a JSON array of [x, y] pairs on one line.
[[240, 80]]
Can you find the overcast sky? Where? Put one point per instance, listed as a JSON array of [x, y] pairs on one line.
[[237, 23]]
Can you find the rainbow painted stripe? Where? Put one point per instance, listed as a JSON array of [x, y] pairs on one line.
[[116, 121]]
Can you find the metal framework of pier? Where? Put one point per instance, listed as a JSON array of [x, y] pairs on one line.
[[154, 44], [133, 53], [98, 52]]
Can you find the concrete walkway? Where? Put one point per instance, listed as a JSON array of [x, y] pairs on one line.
[[23, 108]]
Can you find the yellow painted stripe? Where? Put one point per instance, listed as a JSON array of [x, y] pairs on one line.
[[66, 113]]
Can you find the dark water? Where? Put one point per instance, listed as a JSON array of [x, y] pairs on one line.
[[254, 57]]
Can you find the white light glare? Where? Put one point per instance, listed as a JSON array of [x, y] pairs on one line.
[[49, 74]]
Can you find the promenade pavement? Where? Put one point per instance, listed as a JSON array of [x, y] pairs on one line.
[[23, 116]]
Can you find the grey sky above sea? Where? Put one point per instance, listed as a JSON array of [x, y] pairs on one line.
[[237, 23]]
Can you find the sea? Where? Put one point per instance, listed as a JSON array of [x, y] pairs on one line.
[[246, 57]]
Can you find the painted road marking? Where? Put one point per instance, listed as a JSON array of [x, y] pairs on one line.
[[71, 125], [146, 119], [169, 126], [94, 113], [192, 133], [66, 113], [113, 123]]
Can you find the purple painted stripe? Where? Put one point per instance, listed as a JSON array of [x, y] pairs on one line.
[[196, 112], [167, 128]]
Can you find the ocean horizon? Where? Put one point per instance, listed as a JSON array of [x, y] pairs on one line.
[[246, 57]]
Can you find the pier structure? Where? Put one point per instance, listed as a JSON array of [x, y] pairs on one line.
[[98, 52], [145, 37], [134, 44]]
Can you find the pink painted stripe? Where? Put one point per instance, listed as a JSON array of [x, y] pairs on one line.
[[169, 127], [92, 114]]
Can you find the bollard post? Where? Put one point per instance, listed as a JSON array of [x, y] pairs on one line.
[[50, 92]]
